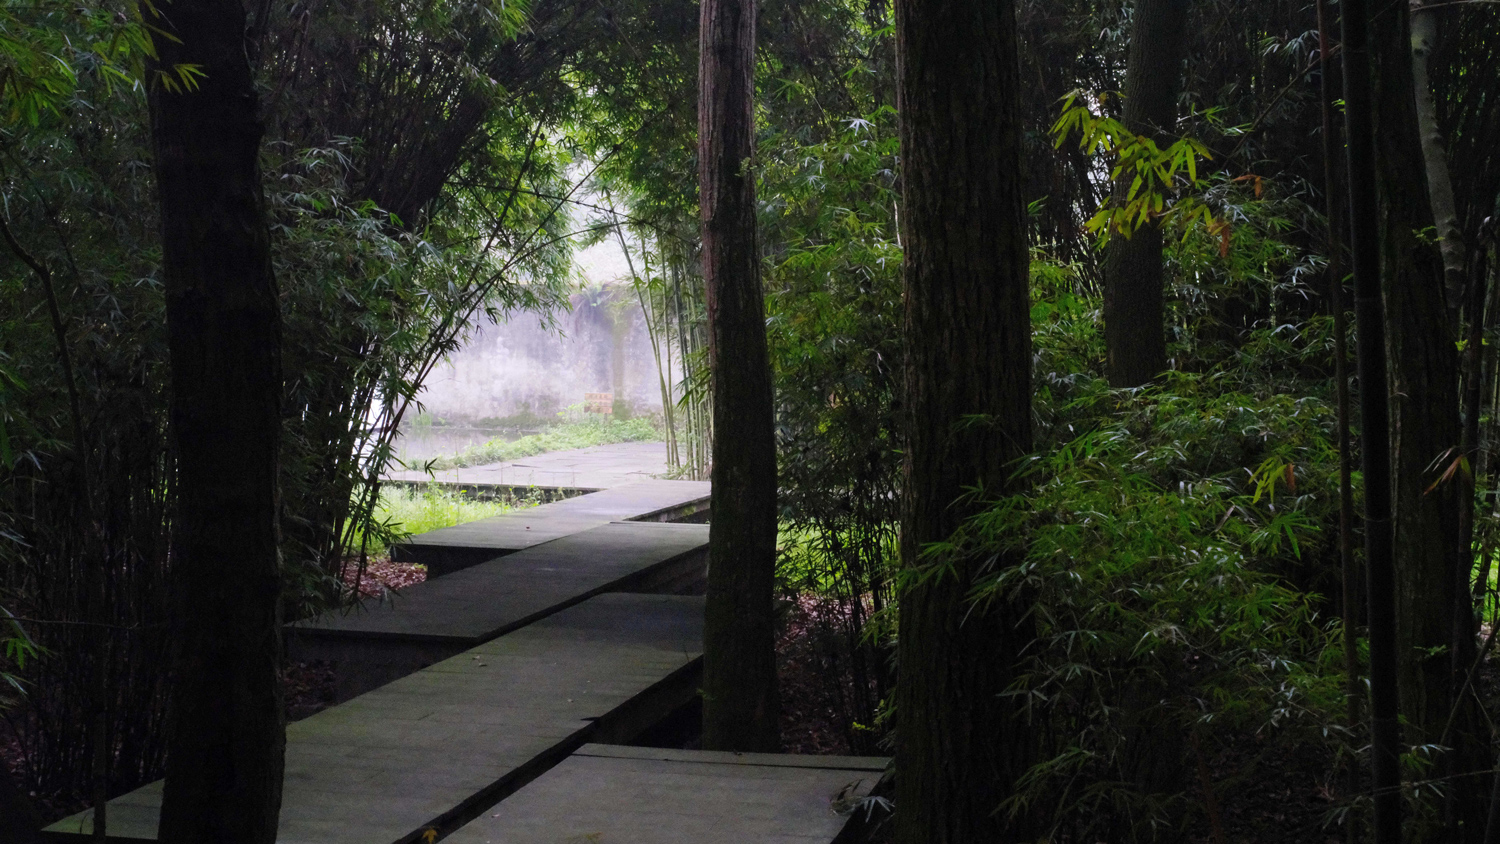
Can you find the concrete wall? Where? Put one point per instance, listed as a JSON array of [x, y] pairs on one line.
[[601, 346]]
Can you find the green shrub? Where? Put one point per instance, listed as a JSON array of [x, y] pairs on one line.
[[1165, 553]]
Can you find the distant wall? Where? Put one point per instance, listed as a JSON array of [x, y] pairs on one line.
[[518, 367]]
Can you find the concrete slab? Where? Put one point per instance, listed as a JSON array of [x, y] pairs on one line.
[[453, 548], [440, 617], [430, 751], [597, 467], [632, 795]]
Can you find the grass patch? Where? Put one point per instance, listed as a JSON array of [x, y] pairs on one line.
[[588, 432], [408, 510]]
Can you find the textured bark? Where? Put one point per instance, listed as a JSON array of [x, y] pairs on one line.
[[226, 734], [1435, 157], [1375, 451], [1135, 339], [740, 703], [1425, 432], [959, 744]]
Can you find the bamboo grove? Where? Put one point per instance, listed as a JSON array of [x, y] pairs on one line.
[[1146, 549]]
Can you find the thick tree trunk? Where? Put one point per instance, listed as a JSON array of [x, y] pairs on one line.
[[226, 735], [1134, 331], [960, 746], [740, 703], [1425, 431]]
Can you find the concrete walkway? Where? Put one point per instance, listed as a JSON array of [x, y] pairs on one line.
[[443, 616], [598, 467], [431, 750], [449, 549], [638, 795], [452, 749]]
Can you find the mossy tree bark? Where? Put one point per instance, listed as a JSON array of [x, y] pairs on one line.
[[227, 733], [1134, 314], [1425, 433], [959, 747], [740, 703]]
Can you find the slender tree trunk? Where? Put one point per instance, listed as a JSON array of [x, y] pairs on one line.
[[1425, 435], [1135, 339], [226, 736], [1375, 450], [1465, 287], [1435, 157], [740, 703], [960, 746], [1348, 577]]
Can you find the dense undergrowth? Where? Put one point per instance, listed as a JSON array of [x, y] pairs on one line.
[[1177, 548], [1177, 544], [1174, 549]]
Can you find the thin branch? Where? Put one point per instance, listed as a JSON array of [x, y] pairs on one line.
[[44, 275], [1427, 7]]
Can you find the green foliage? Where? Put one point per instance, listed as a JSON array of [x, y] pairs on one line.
[[84, 511], [405, 511], [16, 647], [590, 431], [1153, 174], [834, 297], [1170, 548], [11, 389], [370, 307], [1252, 272], [371, 300], [45, 48]]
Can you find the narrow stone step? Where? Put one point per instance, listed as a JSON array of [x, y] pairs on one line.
[[433, 749]]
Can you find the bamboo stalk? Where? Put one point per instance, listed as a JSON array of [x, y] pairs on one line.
[[1375, 415], [1352, 690]]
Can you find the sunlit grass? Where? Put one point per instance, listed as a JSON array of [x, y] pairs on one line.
[[409, 510], [804, 564]]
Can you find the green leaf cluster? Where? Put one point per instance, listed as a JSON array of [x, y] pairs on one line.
[[1170, 552]]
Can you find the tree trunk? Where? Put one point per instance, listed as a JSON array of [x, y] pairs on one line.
[[960, 746], [1135, 339], [1375, 451], [1329, 95], [226, 734], [1425, 432], [1435, 157], [740, 702]]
